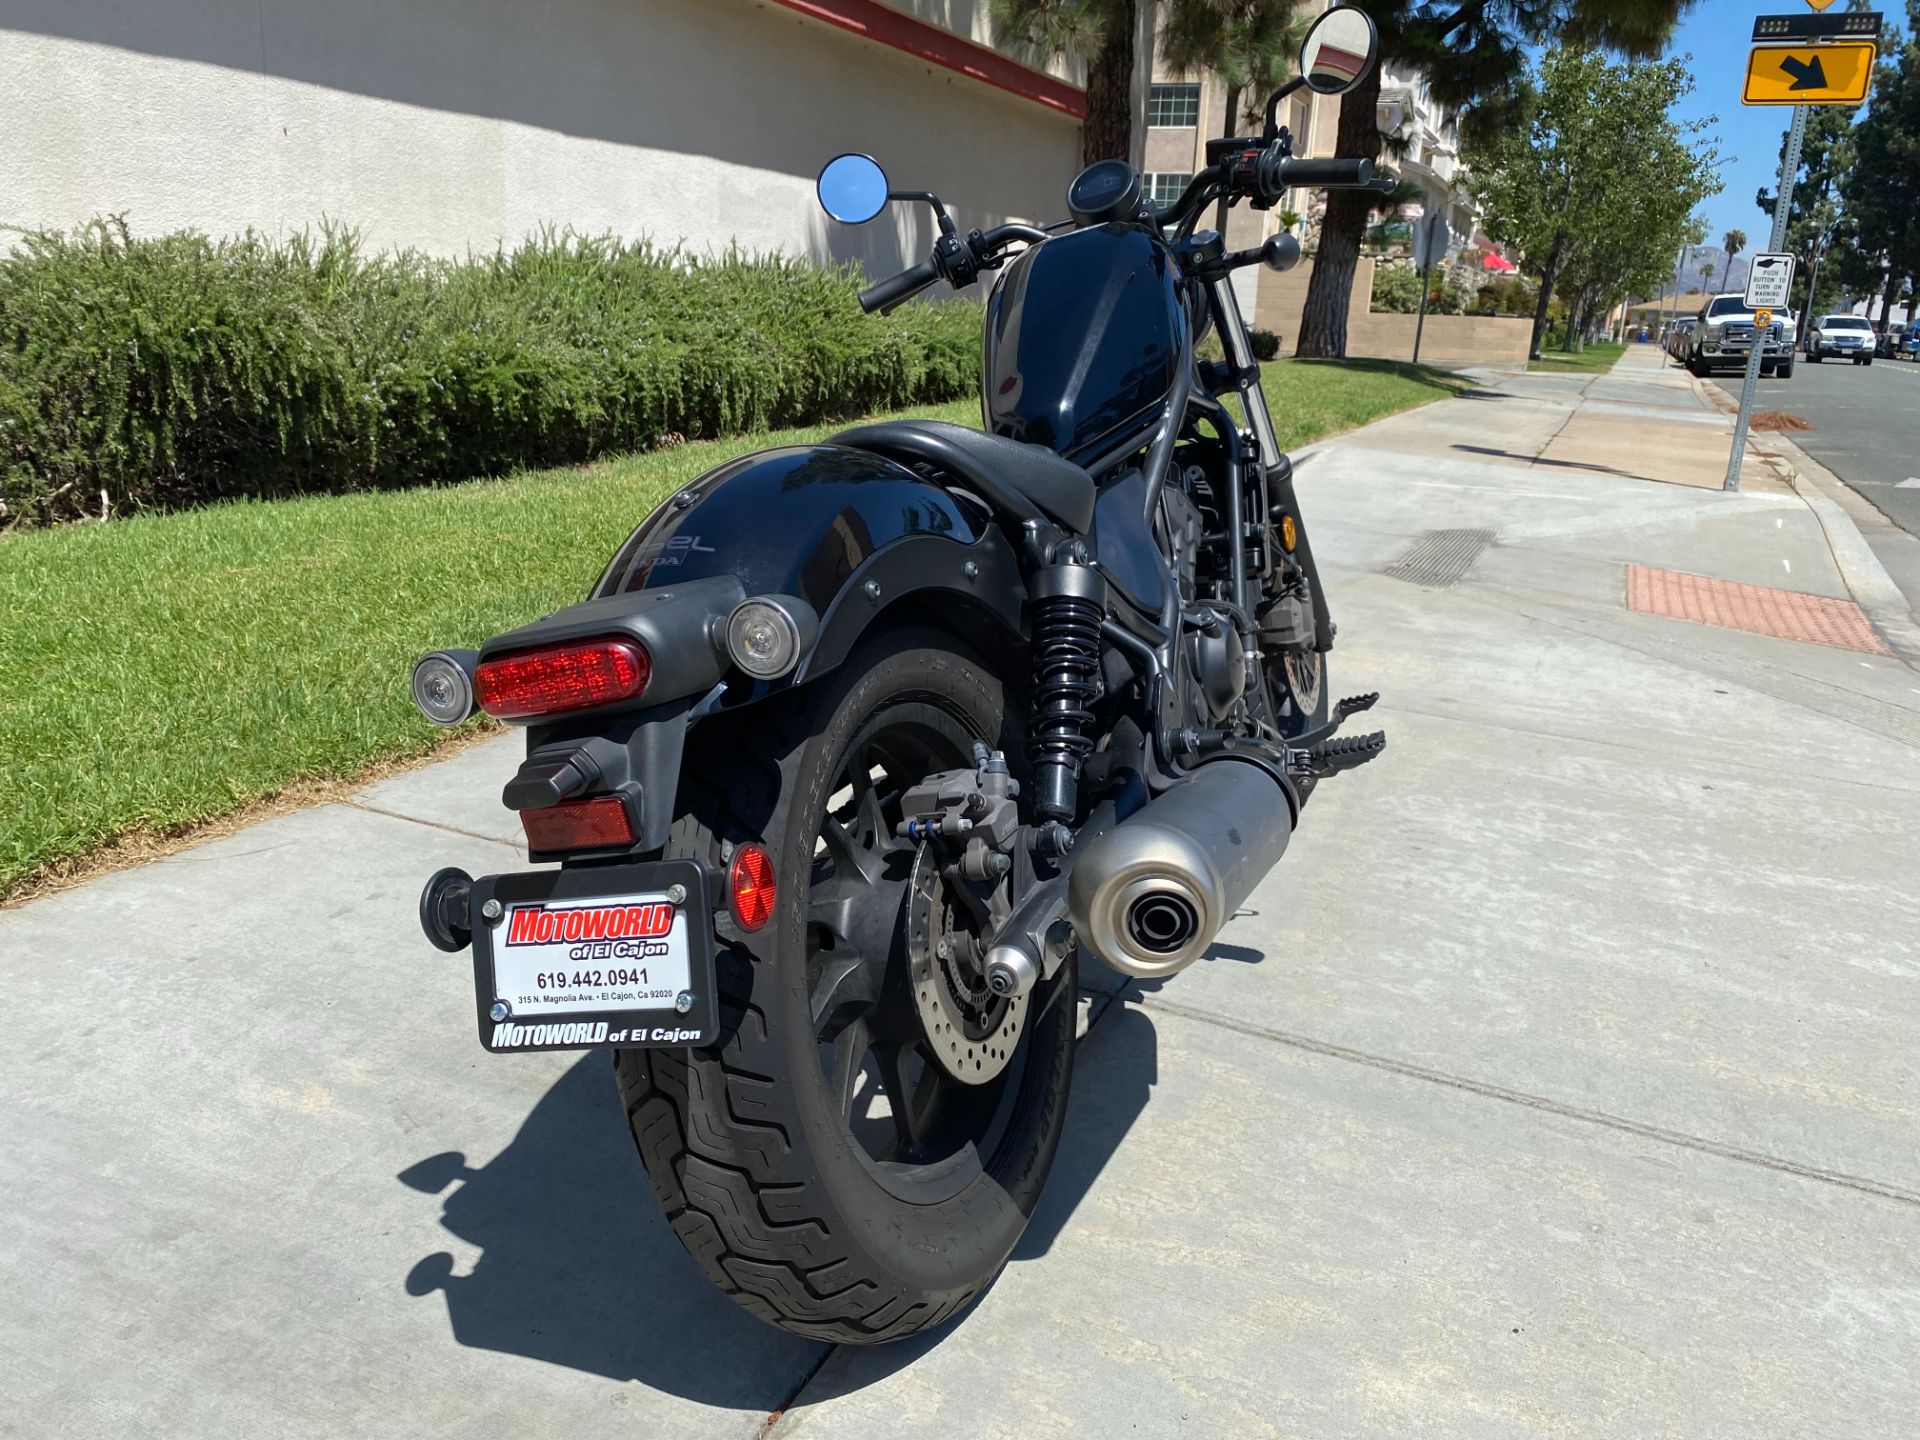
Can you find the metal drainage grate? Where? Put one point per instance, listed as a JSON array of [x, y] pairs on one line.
[[1440, 558]]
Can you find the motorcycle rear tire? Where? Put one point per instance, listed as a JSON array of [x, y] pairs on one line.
[[748, 1150]]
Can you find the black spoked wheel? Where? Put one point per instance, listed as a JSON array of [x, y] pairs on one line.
[[924, 1123], [857, 1158]]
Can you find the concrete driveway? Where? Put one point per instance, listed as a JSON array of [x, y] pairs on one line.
[[1561, 1082]]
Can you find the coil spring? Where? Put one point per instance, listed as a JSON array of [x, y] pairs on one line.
[[1066, 650]]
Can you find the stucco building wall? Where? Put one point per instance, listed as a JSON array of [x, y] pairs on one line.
[[449, 125]]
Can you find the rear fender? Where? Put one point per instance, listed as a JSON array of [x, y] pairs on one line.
[[841, 536]]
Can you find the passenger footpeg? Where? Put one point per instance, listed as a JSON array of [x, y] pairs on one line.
[[1353, 705], [1330, 757]]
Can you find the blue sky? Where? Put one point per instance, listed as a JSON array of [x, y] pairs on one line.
[[1717, 34]]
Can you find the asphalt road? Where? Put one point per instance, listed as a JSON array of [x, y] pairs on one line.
[[1866, 426]]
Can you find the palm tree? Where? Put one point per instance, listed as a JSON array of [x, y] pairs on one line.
[[1249, 44], [1733, 242], [1100, 33], [1706, 275]]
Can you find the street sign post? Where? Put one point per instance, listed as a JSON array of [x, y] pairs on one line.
[[1430, 236], [1832, 74], [1833, 67], [1770, 280], [1782, 206]]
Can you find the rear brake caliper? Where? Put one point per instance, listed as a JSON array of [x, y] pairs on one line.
[[968, 830]]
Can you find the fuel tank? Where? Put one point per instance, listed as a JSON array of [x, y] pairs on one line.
[[1084, 339]]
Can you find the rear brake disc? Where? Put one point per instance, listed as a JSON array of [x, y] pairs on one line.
[[970, 1032]]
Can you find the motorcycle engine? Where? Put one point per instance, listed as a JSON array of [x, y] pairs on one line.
[[1215, 654]]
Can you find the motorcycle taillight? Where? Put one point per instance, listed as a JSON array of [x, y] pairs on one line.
[[565, 677]]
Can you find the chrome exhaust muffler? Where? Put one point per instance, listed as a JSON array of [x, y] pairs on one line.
[[1149, 895]]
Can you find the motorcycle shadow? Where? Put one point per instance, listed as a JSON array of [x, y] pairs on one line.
[[579, 1269]]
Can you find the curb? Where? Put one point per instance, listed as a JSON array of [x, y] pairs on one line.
[[1866, 579]]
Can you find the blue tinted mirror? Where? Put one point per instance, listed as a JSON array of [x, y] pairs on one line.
[[852, 188]]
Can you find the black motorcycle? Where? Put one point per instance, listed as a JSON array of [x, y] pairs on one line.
[[857, 746]]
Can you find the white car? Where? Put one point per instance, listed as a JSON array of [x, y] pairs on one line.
[[1725, 334], [1844, 337]]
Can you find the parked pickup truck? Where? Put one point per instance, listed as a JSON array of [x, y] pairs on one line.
[[1725, 333]]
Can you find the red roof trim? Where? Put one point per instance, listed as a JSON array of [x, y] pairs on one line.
[[946, 49]]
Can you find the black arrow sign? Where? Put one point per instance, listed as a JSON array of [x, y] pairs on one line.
[[1807, 74]]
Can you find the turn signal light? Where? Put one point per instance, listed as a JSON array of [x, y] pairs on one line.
[[578, 825], [567, 677], [750, 887]]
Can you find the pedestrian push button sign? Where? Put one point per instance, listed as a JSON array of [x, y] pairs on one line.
[[1832, 74], [1770, 281]]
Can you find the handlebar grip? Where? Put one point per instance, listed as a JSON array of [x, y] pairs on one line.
[[1328, 174], [904, 286]]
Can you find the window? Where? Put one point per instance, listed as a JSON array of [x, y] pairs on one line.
[[1164, 186], [1844, 322], [1173, 105]]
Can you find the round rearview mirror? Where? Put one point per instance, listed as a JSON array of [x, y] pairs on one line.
[[852, 188], [1338, 50]]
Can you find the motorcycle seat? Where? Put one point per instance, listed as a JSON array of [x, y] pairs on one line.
[[1027, 481]]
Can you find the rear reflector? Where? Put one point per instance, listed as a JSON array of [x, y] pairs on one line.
[[750, 889], [578, 825], [567, 677]]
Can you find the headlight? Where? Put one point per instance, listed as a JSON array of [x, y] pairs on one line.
[[443, 686]]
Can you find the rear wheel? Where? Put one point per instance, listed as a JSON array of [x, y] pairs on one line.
[[826, 1164]]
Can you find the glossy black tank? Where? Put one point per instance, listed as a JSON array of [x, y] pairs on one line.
[[1084, 339]]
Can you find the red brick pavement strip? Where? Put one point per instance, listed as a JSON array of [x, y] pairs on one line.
[[1759, 609]]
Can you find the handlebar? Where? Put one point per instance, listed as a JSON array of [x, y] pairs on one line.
[[954, 260], [900, 288], [1327, 174]]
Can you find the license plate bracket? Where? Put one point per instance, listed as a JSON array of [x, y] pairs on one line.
[[596, 957]]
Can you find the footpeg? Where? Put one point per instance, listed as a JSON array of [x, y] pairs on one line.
[[1330, 757], [1339, 715], [1353, 705]]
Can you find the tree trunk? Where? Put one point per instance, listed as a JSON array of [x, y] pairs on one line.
[[1548, 272], [1886, 300], [1108, 129], [1323, 318], [1227, 132]]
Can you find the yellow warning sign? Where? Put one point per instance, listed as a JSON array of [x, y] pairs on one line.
[[1820, 4], [1762, 319], [1836, 74]]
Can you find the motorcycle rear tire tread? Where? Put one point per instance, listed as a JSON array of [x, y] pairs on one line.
[[712, 1131]]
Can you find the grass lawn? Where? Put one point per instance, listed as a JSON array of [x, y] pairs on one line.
[[165, 670], [1588, 361]]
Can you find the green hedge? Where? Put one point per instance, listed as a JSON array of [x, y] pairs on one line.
[[1396, 289], [178, 369]]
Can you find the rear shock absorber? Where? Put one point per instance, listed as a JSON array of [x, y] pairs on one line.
[[1064, 613]]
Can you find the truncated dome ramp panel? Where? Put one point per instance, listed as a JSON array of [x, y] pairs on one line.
[[1759, 609], [1439, 558]]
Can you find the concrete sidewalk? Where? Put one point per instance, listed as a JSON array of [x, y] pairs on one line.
[[1561, 1081]]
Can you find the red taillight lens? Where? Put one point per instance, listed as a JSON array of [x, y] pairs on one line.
[[568, 677], [578, 825], [750, 889]]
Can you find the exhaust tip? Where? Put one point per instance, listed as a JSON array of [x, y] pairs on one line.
[[1162, 923]]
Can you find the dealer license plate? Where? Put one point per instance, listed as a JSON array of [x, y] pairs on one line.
[[618, 955]]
